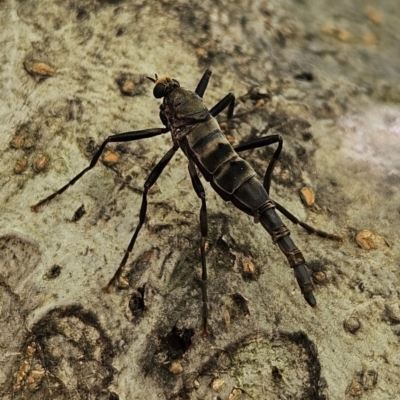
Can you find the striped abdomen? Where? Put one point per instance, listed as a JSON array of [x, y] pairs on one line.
[[234, 180], [229, 175]]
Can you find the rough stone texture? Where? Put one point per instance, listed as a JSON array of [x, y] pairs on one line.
[[328, 73]]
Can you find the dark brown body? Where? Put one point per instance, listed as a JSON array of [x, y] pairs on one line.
[[203, 142], [198, 134], [195, 130]]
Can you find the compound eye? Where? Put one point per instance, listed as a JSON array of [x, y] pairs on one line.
[[159, 90]]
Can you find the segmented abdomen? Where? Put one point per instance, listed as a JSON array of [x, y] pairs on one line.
[[230, 176]]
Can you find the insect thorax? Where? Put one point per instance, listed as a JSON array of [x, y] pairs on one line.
[[182, 106]]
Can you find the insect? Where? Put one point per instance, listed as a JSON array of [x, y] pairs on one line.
[[195, 130]]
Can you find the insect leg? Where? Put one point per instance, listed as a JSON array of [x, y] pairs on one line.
[[266, 141], [150, 181], [261, 142], [202, 85], [199, 189], [228, 100], [120, 137], [310, 229]]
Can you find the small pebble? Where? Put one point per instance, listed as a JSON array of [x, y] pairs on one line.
[[307, 195], [339, 33], [41, 163], [111, 157], [20, 166], [176, 368], [39, 69], [235, 394], [18, 141], [393, 312], [130, 84], [123, 283], [352, 324], [320, 277], [201, 53], [370, 38], [366, 239], [374, 15], [248, 268], [355, 389], [217, 384]]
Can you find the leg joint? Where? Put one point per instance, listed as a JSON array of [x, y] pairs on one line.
[[279, 233], [266, 206], [295, 257]]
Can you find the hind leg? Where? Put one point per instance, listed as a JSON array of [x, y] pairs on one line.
[[267, 141]]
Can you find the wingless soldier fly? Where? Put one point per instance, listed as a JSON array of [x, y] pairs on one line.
[[195, 130]]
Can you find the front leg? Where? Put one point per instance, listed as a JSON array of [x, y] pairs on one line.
[[120, 137], [150, 181]]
